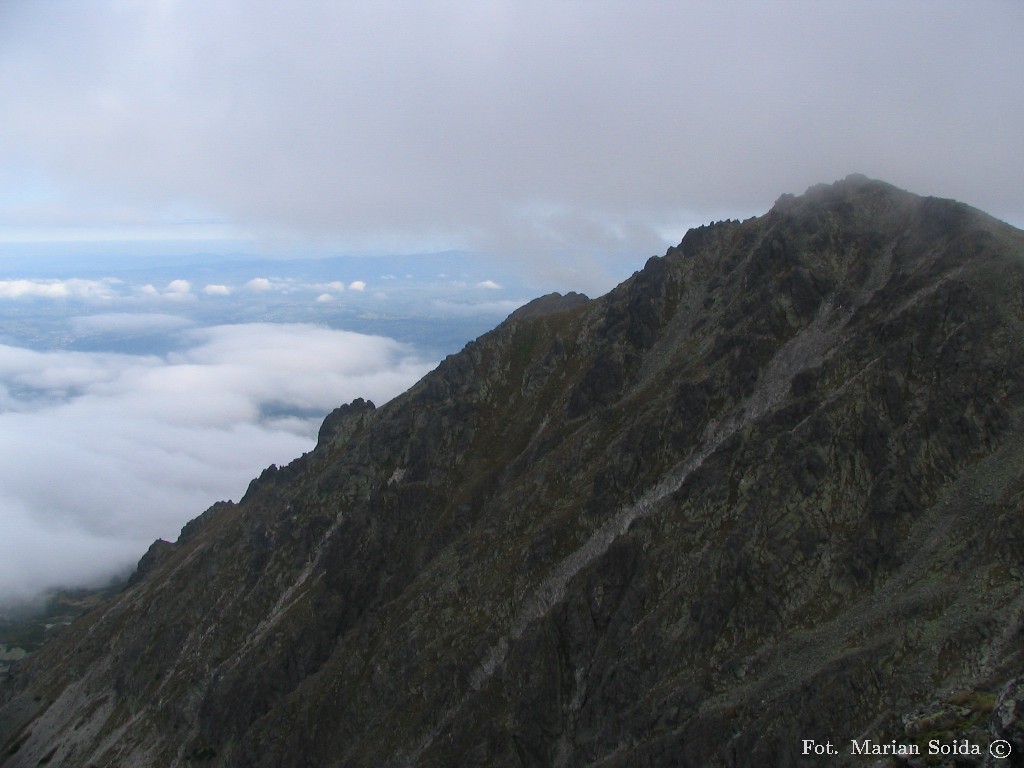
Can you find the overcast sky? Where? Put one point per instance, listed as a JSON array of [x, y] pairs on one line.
[[524, 130]]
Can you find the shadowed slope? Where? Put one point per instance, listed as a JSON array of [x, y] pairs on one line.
[[766, 490]]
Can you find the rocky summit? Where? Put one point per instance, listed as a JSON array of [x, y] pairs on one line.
[[760, 505]]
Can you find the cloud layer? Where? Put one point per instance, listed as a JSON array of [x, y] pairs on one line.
[[58, 289], [526, 129], [103, 453]]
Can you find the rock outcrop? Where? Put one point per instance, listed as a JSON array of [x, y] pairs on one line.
[[767, 490]]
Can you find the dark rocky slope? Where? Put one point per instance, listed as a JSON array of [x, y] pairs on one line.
[[768, 489]]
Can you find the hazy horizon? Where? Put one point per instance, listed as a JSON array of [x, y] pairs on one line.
[[539, 135]]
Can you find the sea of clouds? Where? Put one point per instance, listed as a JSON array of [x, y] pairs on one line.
[[103, 452], [135, 393]]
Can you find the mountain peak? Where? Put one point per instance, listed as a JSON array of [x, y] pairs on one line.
[[549, 303], [688, 521]]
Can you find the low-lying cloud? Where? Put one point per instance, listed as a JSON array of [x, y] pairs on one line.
[[259, 284], [103, 452], [109, 290], [58, 289]]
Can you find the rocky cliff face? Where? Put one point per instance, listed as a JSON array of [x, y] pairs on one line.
[[768, 489]]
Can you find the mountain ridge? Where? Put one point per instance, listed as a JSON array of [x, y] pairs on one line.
[[764, 490]]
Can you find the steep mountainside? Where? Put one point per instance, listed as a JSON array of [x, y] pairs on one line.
[[768, 489]]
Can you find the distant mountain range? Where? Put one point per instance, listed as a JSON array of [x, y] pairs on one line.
[[761, 501]]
